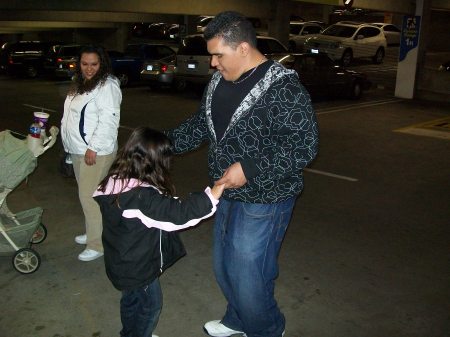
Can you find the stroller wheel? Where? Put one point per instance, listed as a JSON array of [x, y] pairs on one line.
[[39, 235], [26, 261]]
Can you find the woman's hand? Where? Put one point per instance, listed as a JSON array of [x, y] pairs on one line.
[[89, 157]]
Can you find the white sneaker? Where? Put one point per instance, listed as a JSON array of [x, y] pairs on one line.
[[81, 239], [89, 255], [217, 329]]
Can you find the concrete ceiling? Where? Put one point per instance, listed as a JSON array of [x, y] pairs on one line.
[[22, 16]]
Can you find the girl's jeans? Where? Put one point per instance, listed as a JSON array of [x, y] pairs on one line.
[[140, 309], [247, 240]]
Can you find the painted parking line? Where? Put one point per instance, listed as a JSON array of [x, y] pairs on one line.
[[437, 128], [329, 174], [126, 127], [39, 107], [356, 106]]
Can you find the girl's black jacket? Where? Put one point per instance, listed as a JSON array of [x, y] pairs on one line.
[[138, 229]]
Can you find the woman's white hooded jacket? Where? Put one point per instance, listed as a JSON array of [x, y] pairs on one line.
[[91, 120]]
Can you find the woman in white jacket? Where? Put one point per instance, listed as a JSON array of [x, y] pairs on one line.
[[89, 130]]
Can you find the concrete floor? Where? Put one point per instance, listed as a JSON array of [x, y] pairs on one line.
[[364, 258]]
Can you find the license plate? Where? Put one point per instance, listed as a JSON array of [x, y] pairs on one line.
[[60, 66], [149, 67], [314, 51], [191, 65]]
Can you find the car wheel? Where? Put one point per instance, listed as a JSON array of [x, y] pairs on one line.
[[347, 57], [356, 90], [32, 72], [292, 47], [123, 78], [379, 56]]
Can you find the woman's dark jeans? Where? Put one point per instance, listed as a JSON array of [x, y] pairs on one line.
[[140, 309]]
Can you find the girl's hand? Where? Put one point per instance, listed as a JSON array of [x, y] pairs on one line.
[[217, 191]]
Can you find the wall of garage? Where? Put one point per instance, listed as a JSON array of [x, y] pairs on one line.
[[438, 36]]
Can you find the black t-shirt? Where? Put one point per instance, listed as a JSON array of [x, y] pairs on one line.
[[228, 95]]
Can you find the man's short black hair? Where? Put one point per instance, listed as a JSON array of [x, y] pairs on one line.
[[232, 27]]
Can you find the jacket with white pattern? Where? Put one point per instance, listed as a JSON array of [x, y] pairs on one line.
[[273, 134]]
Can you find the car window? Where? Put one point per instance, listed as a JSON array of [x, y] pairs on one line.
[[295, 29], [132, 50], [164, 51], [391, 28], [311, 30], [150, 51], [195, 45], [368, 31], [270, 46], [69, 51], [338, 30]]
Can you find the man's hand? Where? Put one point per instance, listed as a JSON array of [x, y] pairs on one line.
[[89, 157], [233, 177]]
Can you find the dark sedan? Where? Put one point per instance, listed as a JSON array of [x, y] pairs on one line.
[[322, 77]]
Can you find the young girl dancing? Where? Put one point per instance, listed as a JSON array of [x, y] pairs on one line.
[[140, 216]]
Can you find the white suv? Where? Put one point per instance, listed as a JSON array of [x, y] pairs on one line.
[[346, 40]]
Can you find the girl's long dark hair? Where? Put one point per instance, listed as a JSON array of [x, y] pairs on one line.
[[147, 157], [81, 85]]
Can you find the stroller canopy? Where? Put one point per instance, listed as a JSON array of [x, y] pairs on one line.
[[16, 160]]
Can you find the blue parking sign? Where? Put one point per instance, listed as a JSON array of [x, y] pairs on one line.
[[410, 35]]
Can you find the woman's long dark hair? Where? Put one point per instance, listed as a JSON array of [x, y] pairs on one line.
[[81, 85], [147, 157]]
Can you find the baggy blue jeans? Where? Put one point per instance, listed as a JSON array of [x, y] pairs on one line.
[[140, 309], [247, 241]]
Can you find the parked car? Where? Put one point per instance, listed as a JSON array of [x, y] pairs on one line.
[[391, 32], [66, 66], [159, 73], [299, 32], [4, 55], [26, 58], [347, 40], [322, 77], [193, 62], [128, 67], [445, 66], [202, 22], [61, 62]]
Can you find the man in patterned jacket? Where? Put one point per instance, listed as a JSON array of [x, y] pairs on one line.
[[262, 132]]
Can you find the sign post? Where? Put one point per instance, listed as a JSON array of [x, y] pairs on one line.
[[407, 63]]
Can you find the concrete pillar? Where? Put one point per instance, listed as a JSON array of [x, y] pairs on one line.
[[280, 13], [412, 56]]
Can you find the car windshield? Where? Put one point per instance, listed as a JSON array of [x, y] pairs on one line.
[[295, 29], [69, 51], [338, 30], [195, 45]]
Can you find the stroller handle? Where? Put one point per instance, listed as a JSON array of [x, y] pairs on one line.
[[38, 147]]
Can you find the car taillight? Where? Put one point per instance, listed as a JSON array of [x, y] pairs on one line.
[[164, 68], [59, 59], [10, 60]]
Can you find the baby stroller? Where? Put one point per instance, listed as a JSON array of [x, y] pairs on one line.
[[19, 231]]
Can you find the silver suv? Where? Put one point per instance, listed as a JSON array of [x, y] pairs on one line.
[[193, 62], [346, 40]]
